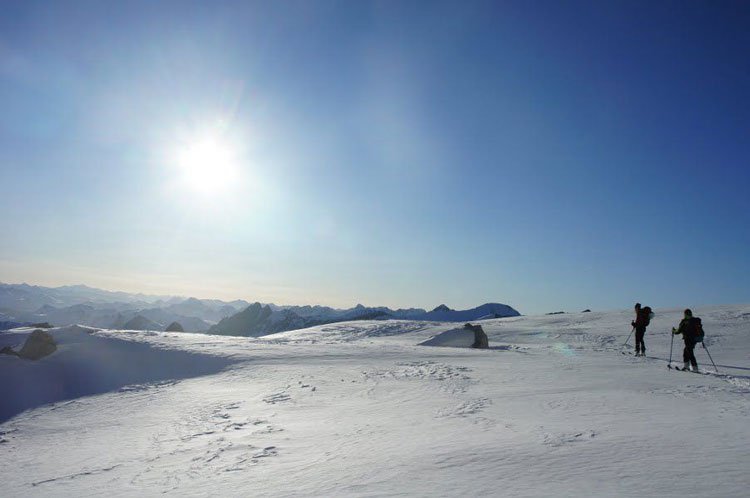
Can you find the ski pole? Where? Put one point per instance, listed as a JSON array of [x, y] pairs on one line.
[[626, 340], [709, 357], [671, 342]]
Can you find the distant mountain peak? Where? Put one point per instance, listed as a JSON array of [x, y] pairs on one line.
[[139, 322], [174, 327], [442, 307]]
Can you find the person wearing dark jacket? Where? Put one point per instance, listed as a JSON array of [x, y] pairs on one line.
[[642, 319], [691, 330]]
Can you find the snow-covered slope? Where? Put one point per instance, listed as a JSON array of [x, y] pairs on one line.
[[89, 362], [361, 408]]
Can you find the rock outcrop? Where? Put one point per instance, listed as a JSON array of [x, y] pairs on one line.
[[480, 338], [38, 345]]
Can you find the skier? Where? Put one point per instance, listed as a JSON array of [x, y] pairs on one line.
[[691, 329], [642, 319]]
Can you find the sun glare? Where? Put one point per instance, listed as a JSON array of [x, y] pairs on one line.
[[207, 166]]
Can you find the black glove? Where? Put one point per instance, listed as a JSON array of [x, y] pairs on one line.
[[632, 324]]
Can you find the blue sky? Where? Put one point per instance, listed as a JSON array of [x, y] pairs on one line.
[[548, 155]]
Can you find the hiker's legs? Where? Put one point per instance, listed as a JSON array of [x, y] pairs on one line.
[[639, 345], [689, 348], [688, 355]]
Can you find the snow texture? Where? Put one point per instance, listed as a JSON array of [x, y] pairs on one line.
[[362, 409]]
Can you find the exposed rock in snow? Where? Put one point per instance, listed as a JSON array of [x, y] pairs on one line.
[[480, 338], [38, 345]]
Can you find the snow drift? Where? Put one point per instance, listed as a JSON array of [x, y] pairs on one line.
[[87, 363], [454, 338]]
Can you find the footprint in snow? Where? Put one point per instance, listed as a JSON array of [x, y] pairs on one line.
[[466, 408], [277, 398], [564, 439], [266, 452]]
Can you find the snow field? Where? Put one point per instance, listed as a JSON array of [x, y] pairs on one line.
[[360, 409]]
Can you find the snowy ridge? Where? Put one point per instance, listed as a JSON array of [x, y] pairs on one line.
[[360, 408]]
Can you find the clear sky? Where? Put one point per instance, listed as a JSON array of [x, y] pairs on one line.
[[549, 155]]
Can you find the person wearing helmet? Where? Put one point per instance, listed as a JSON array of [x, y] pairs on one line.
[[691, 330]]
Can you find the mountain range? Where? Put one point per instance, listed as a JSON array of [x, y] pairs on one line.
[[80, 304], [259, 320]]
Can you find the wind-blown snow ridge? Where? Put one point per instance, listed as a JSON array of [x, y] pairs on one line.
[[90, 362]]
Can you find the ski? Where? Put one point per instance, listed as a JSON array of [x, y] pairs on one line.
[[704, 372], [693, 371], [628, 353]]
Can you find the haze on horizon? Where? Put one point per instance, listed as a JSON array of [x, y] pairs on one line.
[[554, 155]]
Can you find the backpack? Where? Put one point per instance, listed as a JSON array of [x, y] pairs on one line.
[[647, 315], [698, 330]]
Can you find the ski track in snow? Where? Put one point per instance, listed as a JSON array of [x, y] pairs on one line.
[[76, 475], [358, 408]]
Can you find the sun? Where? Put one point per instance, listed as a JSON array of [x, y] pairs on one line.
[[207, 165]]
